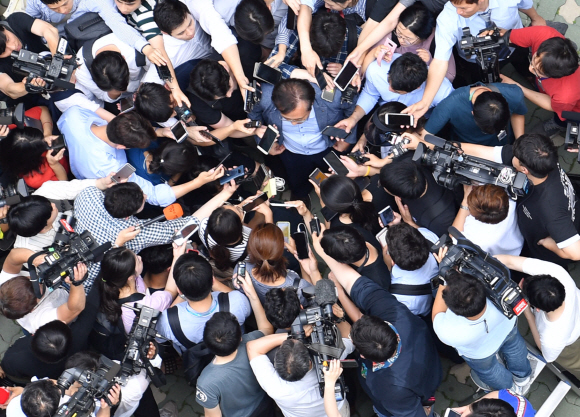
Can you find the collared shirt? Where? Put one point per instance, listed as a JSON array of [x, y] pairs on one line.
[[504, 13], [293, 45], [303, 138], [142, 19], [377, 88], [212, 23], [92, 157], [105, 8]]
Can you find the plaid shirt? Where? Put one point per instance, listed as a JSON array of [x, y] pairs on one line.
[[292, 48], [91, 215]]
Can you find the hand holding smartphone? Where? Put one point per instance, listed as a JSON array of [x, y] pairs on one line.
[[389, 50], [268, 139], [124, 173], [387, 215], [345, 76], [179, 131], [184, 233], [334, 162]]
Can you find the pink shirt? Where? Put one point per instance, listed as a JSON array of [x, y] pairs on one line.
[[159, 300]]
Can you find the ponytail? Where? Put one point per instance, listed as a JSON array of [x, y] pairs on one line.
[[117, 266]]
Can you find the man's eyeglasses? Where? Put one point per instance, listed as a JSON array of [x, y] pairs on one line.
[[296, 121]]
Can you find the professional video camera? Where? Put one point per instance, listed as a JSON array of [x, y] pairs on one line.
[[253, 97], [487, 50], [571, 139], [15, 116], [56, 71], [325, 342], [183, 112], [452, 167], [142, 333], [95, 385], [468, 258], [69, 248]]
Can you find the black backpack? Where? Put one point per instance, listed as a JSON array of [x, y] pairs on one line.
[[84, 28], [197, 356]]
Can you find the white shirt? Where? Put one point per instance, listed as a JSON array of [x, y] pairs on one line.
[[556, 335], [503, 238], [212, 23], [45, 311]]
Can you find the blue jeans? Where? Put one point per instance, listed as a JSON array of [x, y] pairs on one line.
[[431, 414], [514, 352]]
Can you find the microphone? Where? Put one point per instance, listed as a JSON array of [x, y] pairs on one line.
[[99, 252], [10, 201], [171, 212], [325, 292]]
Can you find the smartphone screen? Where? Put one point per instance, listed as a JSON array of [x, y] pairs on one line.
[[126, 105], [320, 78], [335, 163], [328, 95], [125, 172], [387, 215], [317, 176], [179, 132], [267, 140], [184, 234], [255, 202], [345, 76], [301, 244], [232, 174], [267, 74], [335, 132], [285, 227], [398, 119], [291, 19], [327, 213], [57, 145]]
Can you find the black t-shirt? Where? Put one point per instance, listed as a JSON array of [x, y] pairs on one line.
[[211, 113], [378, 272], [367, 235], [382, 8], [21, 24], [549, 209]]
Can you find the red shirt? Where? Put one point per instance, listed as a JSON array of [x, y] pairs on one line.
[[565, 91]]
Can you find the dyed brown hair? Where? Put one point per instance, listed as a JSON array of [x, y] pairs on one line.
[[17, 298], [266, 250], [488, 203]]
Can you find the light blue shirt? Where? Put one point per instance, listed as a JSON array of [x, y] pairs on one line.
[[504, 13], [91, 157], [377, 89], [304, 138], [105, 8]]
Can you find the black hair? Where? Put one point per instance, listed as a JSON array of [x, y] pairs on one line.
[[403, 179], [50, 1], [110, 71], [131, 130], [85, 360], [558, 57], [117, 266], [287, 94], [30, 216], [408, 248], [407, 72], [374, 338], [225, 228], [193, 276], [419, 20], [169, 15], [344, 244], [544, 292], [173, 158], [537, 153], [209, 80], [292, 360], [343, 195], [464, 294], [3, 39], [491, 112], [153, 101], [156, 259], [282, 306], [327, 33], [51, 342], [222, 334], [253, 20], [40, 398], [376, 131], [492, 407], [21, 152], [123, 200]]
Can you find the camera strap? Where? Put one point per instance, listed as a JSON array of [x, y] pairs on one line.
[[404, 289], [63, 205], [33, 275], [331, 351]]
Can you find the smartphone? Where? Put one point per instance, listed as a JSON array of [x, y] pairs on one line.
[[362, 182], [382, 237], [268, 139], [285, 227], [451, 413], [127, 105], [163, 72], [334, 162], [391, 48], [125, 172], [267, 74], [208, 135], [399, 119], [317, 176], [249, 206], [328, 95], [57, 145], [232, 174], [184, 234], [301, 244], [327, 213], [241, 272], [315, 225], [335, 132], [178, 130], [291, 19], [281, 204], [386, 215], [253, 124], [345, 76], [223, 160], [260, 176], [320, 78]]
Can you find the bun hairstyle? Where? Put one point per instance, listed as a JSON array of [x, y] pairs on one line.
[[173, 158], [266, 250]]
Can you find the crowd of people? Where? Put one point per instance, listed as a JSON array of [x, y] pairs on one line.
[[232, 158]]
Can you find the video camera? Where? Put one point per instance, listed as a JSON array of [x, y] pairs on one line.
[[142, 333], [468, 258], [183, 113], [95, 385], [571, 139], [452, 167], [15, 116], [487, 51], [325, 342], [69, 248], [56, 71], [253, 97]]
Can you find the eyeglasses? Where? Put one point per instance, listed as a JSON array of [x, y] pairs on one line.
[[297, 121], [535, 71], [407, 41]]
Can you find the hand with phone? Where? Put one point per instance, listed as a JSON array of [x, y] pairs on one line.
[[205, 177], [240, 126], [405, 213], [346, 124], [54, 160], [310, 60], [193, 132], [333, 68], [354, 170]]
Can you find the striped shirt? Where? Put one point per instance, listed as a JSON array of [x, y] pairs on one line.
[[142, 19], [236, 252]]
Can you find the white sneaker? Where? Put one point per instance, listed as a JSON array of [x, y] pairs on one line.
[[522, 387], [168, 410]]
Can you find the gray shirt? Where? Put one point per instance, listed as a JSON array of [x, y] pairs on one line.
[[231, 385]]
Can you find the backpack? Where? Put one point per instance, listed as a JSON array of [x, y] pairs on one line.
[[197, 356], [84, 28]]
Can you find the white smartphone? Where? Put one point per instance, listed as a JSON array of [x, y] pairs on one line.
[[382, 237], [345, 76]]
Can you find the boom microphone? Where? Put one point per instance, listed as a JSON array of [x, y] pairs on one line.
[[171, 212]]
